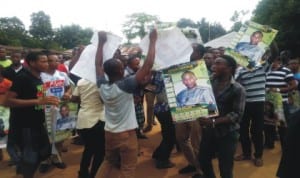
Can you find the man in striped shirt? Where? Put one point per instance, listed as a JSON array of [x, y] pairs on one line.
[[281, 79], [254, 82]]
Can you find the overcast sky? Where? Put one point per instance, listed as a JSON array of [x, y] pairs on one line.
[[109, 15]]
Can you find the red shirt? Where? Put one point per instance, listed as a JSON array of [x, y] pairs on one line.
[[5, 85]]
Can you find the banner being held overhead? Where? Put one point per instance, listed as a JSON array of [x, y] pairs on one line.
[[189, 91], [85, 67], [172, 47], [251, 43]]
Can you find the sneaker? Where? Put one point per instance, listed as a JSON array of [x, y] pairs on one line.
[[164, 164], [242, 158], [60, 165], [258, 162], [187, 169], [44, 168]]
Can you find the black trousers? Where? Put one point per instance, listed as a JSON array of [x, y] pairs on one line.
[[94, 149], [270, 133], [254, 113], [163, 151], [290, 158], [225, 147], [35, 147]]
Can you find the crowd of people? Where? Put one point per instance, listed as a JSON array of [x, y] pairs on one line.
[[111, 115]]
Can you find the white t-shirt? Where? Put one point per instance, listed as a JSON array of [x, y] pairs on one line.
[[58, 81], [119, 106], [91, 107]]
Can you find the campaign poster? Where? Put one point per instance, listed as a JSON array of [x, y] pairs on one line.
[[294, 101], [276, 99], [189, 91], [4, 124], [60, 120], [250, 44]]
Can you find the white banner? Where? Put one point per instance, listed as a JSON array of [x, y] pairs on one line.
[[172, 48], [85, 66]]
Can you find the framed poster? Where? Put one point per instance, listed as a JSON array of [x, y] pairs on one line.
[[250, 44], [189, 91]]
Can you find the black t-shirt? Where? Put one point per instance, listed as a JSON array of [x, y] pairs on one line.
[[10, 73], [28, 86]]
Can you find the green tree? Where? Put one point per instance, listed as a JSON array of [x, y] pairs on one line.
[[137, 25], [237, 18], [210, 31], [282, 15], [12, 31], [72, 35], [41, 27], [182, 23]]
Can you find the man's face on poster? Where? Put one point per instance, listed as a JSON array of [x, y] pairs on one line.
[[64, 112], [189, 80], [255, 38]]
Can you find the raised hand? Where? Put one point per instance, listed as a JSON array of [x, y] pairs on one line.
[[102, 37], [50, 100], [153, 35]]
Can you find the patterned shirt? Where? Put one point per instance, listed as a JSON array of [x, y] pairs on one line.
[[231, 104]]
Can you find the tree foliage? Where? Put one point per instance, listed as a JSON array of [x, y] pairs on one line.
[[284, 16], [12, 31], [237, 18], [137, 25], [71, 35], [41, 27], [184, 22], [210, 31]]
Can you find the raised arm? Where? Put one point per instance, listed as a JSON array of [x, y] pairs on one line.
[[145, 70], [99, 54]]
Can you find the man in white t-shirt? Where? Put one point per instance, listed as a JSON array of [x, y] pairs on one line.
[[57, 84], [121, 148]]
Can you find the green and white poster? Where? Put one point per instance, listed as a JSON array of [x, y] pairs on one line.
[[276, 99], [4, 125], [189, 91], [250, 44], [61, 120]]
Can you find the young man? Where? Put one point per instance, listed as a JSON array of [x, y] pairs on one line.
[[90, 127], [27, 97], [188, 134], [162, 111], [121, 148], [220, 134], [254, 82], [133, 65], [280, 79], [59, 86], [10, 73], [4, 62]]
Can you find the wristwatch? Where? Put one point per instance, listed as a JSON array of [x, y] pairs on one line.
[[213, 123]]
